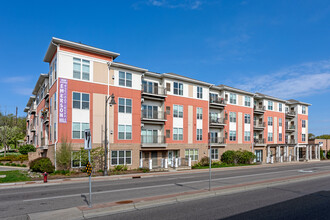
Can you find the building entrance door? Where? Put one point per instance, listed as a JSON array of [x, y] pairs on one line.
[[258, 155], [154, 158]]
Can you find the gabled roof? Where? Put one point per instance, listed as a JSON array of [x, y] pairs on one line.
[[39, 83], [293, 101], [57, 41], [263, 96]]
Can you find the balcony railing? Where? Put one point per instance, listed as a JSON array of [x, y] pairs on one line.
[[43, 141], [259, 140], [153, 90], [33, 109], [217, 140], [32, 127], [217, 120], [291, 141], [259, 108], [290, 127], [290, 113], [259, 124], [221, 101], [153, 115], [153, 139]]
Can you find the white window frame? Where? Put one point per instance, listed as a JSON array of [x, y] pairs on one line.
[[81, 101], [126, 132], [303, 137], [303, 110], [232, 117], [126, 79], [199, 92], [80, 166], [303, 123], [177, 111], [81, 63], [192, 153], [232, 135], [81, 130], [199, 113], [280, 122], [179, 89], [280, 137], [199, 134], [247, 136], [125, 157], [127, 108], [247, 101], [270, 121], [247, 118], [270, 105], [270, 136], [215, 154], [232, 98], [177, 134], [280, 107]]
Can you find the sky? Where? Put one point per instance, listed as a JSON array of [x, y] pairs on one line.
[[280, 48]]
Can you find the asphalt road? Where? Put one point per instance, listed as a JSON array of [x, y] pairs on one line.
[[303, 200], [20, 201]]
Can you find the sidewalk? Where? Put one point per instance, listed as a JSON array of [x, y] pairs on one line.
[[141, 175], [104, 209]]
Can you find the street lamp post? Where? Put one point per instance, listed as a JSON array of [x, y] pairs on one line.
[[112, 102]]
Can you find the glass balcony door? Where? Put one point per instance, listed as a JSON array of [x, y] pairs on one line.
[[149, 111]]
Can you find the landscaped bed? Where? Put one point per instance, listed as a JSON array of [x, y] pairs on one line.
[[14, 176]]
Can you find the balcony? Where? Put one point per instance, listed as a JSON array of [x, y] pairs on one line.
[[153, 92], [259, 109], [45, 117], [33, 109], [259, 141], [219, 103], [217, 141], [291, 141], [290, 114], [43, 144], [46, 92], [32, 128], [153, 141], [290, 128], [259, 126], [153, 117], [217, 122]]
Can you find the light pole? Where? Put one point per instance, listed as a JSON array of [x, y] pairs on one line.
[[112, 102]]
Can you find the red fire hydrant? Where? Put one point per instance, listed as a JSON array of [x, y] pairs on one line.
[[45, 177]]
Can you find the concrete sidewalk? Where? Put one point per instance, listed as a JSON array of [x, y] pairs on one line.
[[141, 175], [83, 212]]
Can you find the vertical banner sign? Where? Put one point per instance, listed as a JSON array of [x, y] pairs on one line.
[[62, 100]]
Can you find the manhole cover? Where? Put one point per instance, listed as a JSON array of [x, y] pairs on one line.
[[124, 202]]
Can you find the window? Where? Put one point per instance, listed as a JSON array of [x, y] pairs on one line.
[[270, 121], [124, 132], [125, 105], [303, 123], [270, 105], [280, 137], [303, 109], [213, 97], [168, 110], [125, 79], [121, 157], [192, 153], [214, 154], [77, 161], [199, 92], [199, 134], [303, 137], [168, 87], [214, 117], [81, 69], [51, 76], [168, 133], [247, 101], [178, 134], [178, 111], [232, 135], [55, 101], [280, 123], [232, 99], [247, 136], [55, 68], [78, 129], [80, 100], [247, 118], [178, 88], [232, 117], [270, 136], [150, 111], [200, 113], [280, 107]]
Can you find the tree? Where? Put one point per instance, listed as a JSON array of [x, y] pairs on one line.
[[311, 136], [63, 155], [323, 136], [8, 135]]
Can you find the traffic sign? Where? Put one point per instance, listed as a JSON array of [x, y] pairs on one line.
[[88, 140], [89, 168]]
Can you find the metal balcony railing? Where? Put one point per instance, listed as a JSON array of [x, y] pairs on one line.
[[153, 90], [155, 115], [218, 100], [291, 141], [260, 124], [213, 120], [290, 127], [259, 141], [217, 140], [43, 141], [153, 139], [259, 108], [290, 113]]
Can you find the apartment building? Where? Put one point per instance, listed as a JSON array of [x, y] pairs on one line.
[[159, 120]]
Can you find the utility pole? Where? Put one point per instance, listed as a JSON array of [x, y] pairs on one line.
[[112, 102], [16, 115]]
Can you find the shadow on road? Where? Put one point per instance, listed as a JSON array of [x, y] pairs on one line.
[[312, 206], [85, 199]]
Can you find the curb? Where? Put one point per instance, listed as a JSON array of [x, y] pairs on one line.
[[83, 212]]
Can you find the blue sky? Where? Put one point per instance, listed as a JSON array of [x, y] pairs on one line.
[[280, 48]]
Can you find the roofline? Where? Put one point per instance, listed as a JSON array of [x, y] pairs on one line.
[[224, 87], [134, 68], [264, 96], [39, 82], [31, 99], [297, 102], [57, 41], [184, 78]]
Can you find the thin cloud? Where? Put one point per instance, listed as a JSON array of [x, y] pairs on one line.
[[23, 91], [185, 4], [15, 79], [293, 82]]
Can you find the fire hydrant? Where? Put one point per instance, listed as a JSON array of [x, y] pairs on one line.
[[45, 177]]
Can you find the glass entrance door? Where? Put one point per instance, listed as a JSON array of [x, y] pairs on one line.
[[258, 155]]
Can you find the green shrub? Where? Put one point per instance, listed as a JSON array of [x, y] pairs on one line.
[[120, 168], [13, 164], [100, 171], [42, 164], [229, 157], [14, 158], [23, 165], [7, 164], [328, 155], [144, 170], [61, 172], [25, 149]]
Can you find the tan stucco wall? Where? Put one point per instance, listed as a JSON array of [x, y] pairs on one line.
[[98, 118], [190, 91], [100, 72], [240, 99], [190, 124], [240, 128]]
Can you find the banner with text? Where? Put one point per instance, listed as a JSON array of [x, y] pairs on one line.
[[62, 100]]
